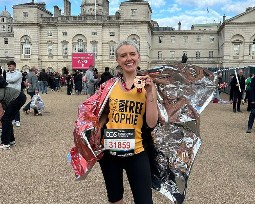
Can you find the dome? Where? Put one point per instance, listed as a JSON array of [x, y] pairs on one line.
[[5, 13]]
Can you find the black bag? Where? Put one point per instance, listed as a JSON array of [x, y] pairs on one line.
[[3, 102], [3, 82], [3, 85]]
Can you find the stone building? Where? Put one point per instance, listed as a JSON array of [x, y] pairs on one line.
[[6, 38], [36, 37]]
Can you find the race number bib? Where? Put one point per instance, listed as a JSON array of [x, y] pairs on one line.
[[119, 140]]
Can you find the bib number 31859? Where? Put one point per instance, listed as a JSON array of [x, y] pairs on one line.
[[119, 139]]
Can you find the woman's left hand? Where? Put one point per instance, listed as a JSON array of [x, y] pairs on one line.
[[148, 83]]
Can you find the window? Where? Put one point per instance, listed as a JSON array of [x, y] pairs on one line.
[[94, 49], [236, 49], [94, 33], [111, 51], [185, 39], [197, 54], [210, 54], [112, 33], [26, 46], [64, 33], [172, 54], [160, 39], [25, 14], [2, 20], [172, 39], [79, 43], [3, 28], [253, 48], [65, 48], [80, 46], [198, 38], [133, 12], [50, 49], [211, 39], [27, 51], [6, 41], [160, 55], [49, 33]]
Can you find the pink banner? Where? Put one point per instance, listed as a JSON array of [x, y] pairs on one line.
[[82, 60]]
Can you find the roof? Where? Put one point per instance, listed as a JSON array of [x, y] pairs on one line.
[[206, 25], [39, 5], [248, 10], [5, 13]]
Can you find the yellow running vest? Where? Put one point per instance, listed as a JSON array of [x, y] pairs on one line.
[[126, 112]]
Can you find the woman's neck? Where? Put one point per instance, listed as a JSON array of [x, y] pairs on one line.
[[128, 78]]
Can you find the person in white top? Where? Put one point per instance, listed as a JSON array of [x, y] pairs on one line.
[[14, 80]]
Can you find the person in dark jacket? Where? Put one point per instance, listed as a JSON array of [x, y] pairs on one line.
[[69, 84], [252, 105], [105, 76], [237, 93], [78, 82], [44, 79]]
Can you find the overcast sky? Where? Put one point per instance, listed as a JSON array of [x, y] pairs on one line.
[[165, 12]]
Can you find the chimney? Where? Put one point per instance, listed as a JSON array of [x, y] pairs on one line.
[[224, 18], [179, 25], [57, 11], [67, 8], [69, 11]]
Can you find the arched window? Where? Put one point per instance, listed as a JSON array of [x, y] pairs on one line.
[[237, 46], [79, 43], [136, 39], [26, 46]]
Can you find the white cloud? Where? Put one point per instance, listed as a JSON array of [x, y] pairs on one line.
[[157, 3], [174, 8], [238, 7], [204, 3]]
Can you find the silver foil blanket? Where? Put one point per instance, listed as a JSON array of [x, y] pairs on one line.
[[183, 93]]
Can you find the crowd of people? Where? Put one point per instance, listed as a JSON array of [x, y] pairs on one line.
[[242, 90]]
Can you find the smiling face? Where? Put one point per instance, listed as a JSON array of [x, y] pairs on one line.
[[11, 67], [128, 58]]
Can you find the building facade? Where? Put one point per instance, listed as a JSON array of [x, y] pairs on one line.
[[36, 37], [6, 38]]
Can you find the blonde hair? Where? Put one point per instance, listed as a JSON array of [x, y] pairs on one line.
[[126, 42]]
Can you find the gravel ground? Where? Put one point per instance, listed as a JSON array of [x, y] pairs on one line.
[[37, 171]]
